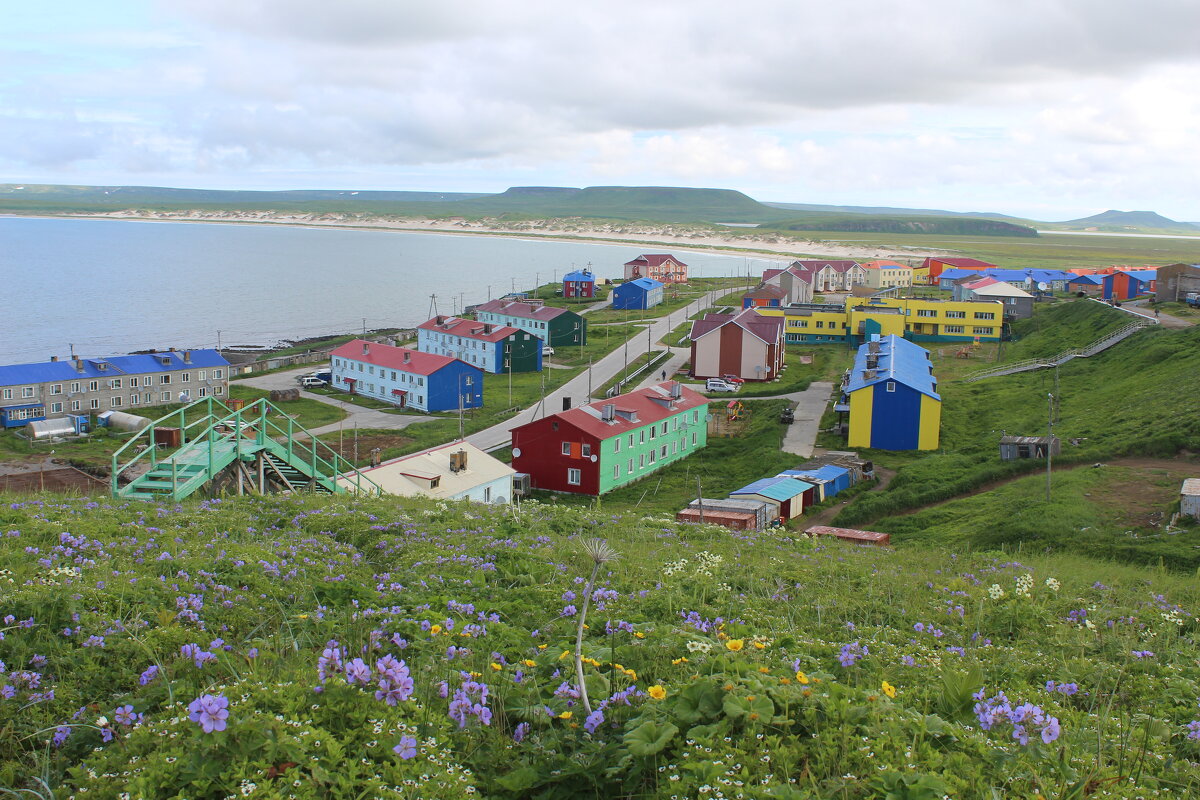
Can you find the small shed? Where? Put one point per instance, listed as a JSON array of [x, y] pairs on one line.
[[734, 520], [1013, 448], [762, 511], [833, 478], [1189, 498], [16, 416], [789, 493], [851, 535]]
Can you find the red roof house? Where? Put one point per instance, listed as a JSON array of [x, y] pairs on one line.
[[662, 267], [747, 345]]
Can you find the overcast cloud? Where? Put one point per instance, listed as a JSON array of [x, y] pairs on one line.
[[1051, 109]]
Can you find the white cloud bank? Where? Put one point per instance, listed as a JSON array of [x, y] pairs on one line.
[[1049, 108]]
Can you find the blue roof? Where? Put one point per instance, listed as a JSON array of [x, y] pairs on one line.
[[58, 371], [899, 360], [956, 273], [1143, 274], [1036, 275], [775, 488], [580, 275], [643, 283], [1094, 280], [828, 472]]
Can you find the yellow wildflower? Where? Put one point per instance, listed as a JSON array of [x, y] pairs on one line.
[[496, 666], [639, 635], [656, 692], [734, 645], [565, 715], [680, 660], [785, 681], [764, 670], [801, 677], [542, 646], [302, 616], [759, 645], [888, 689], [529, 662], [565, 653], [434, 630], [475, 674], [465, 634]]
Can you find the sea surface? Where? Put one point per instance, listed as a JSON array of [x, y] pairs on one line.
[[112, 286]]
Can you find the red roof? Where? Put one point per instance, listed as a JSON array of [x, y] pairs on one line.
[[979, 284], [769, 329], [765, 290], [389, 357], [468, 328], [961, 263], [884, 264], [653, 260], [651, 405], [813, 265], [515, 308]]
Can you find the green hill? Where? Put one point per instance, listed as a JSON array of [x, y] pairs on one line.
[[1127, 221], [864, 223], [1134, 399], [318, 647]]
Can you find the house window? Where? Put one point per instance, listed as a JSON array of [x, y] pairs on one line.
[[487, 494], [820, 324], [663, 454], [653, 431], [133, 382], [642, 440], [631, 440], [74, 405], [56, 408], [642, 461], [952, 329], [956, 314], [56, 388], [629, 469], [133, 399], [574, 477], [653, 455], [164, 379], [203, 392], [468, 381], [75, 387], [566, 448], [115, 383], [202, 375], [985, 331], [93, 386], [186, 377], [695, 415], [26, 391], [616, 471], [95, 402], [218, 390], [926, 312], [891, 386], [6, 394], [617, 445], [115, 402], [984, 315], [587, 450], [693, 440]]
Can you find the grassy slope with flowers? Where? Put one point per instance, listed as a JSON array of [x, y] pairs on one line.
[[176, 651]]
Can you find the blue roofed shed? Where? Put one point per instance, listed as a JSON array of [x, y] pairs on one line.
[[790, 494], [831, 479]]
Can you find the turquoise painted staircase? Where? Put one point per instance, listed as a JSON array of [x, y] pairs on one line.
[[236, 451]]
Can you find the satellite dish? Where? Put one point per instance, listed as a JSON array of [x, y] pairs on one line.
[[595, 458], [516, 452], [1043, 286]]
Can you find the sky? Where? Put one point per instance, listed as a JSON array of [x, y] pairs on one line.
[[1045, 109]]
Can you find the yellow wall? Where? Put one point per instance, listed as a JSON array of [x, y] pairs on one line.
[[931, 423], [926, 324], [861, 403], [889, 323]]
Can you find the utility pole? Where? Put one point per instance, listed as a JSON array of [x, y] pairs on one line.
[[589, 396], [1049, 438], [218, 341], [700, 499], [364, 319], [510, 358], [460, 407], [356, 444], [489, 292]]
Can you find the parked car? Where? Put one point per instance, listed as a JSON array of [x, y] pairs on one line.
[[309, 380], [547, 350], [719, 385], [734, 379]]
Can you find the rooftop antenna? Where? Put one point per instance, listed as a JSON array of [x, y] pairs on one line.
[[433, 305]]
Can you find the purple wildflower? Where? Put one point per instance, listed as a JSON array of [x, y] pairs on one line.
[[522, 730], [61, 734], [852, 653], [210, 711], [125, 715], [407, 748], [357, 672], [150, 674], [594, 720]]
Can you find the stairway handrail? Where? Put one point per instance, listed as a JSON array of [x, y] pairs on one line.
[[1097, 346]]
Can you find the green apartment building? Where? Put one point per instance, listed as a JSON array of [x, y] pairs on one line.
[[604, 445]]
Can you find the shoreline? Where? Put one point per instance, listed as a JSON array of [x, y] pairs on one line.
[[692, 237]]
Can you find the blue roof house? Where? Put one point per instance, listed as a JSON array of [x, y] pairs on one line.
[[892, 396], [580, 283], [637, 294]]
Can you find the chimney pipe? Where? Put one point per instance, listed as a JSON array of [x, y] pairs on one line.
[[609, 412], [78, 364], [171, 349], [407, 356], [54, 358], [366, 348], [187, 356]]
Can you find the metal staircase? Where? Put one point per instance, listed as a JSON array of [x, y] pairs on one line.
[[237, 451], [1101, 344]]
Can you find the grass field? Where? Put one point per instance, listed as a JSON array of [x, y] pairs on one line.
[[335, 648]]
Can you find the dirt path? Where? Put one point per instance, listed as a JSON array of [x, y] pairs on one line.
[[884, 476]]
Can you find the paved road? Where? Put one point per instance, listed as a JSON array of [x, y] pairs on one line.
[[810, 405], [355, 414], [602, 372], [1166, 320]]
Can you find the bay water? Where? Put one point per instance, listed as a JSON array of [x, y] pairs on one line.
[[112, 286]]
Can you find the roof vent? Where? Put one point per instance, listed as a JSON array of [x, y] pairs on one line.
[[439, 319], [609, 412], [872, 361], [868, 374], [458, 461], [676, 390], [873, 347], [407, 356], [366, 348], [53, 358]]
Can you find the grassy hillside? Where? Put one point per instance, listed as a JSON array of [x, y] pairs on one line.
[[1137, 398], [340, 649], [1126, 221], [938, 226]]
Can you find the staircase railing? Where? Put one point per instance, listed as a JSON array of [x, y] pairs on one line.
[[238, 427], [1099, 345]]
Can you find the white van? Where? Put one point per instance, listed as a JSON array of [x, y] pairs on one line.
[[309, 380]]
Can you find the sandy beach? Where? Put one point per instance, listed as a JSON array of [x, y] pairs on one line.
[[745, 241]]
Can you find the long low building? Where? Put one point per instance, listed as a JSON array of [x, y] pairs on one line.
[[455, 471], [917, 319], [493, 348], [54, 388], [406, 378]]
